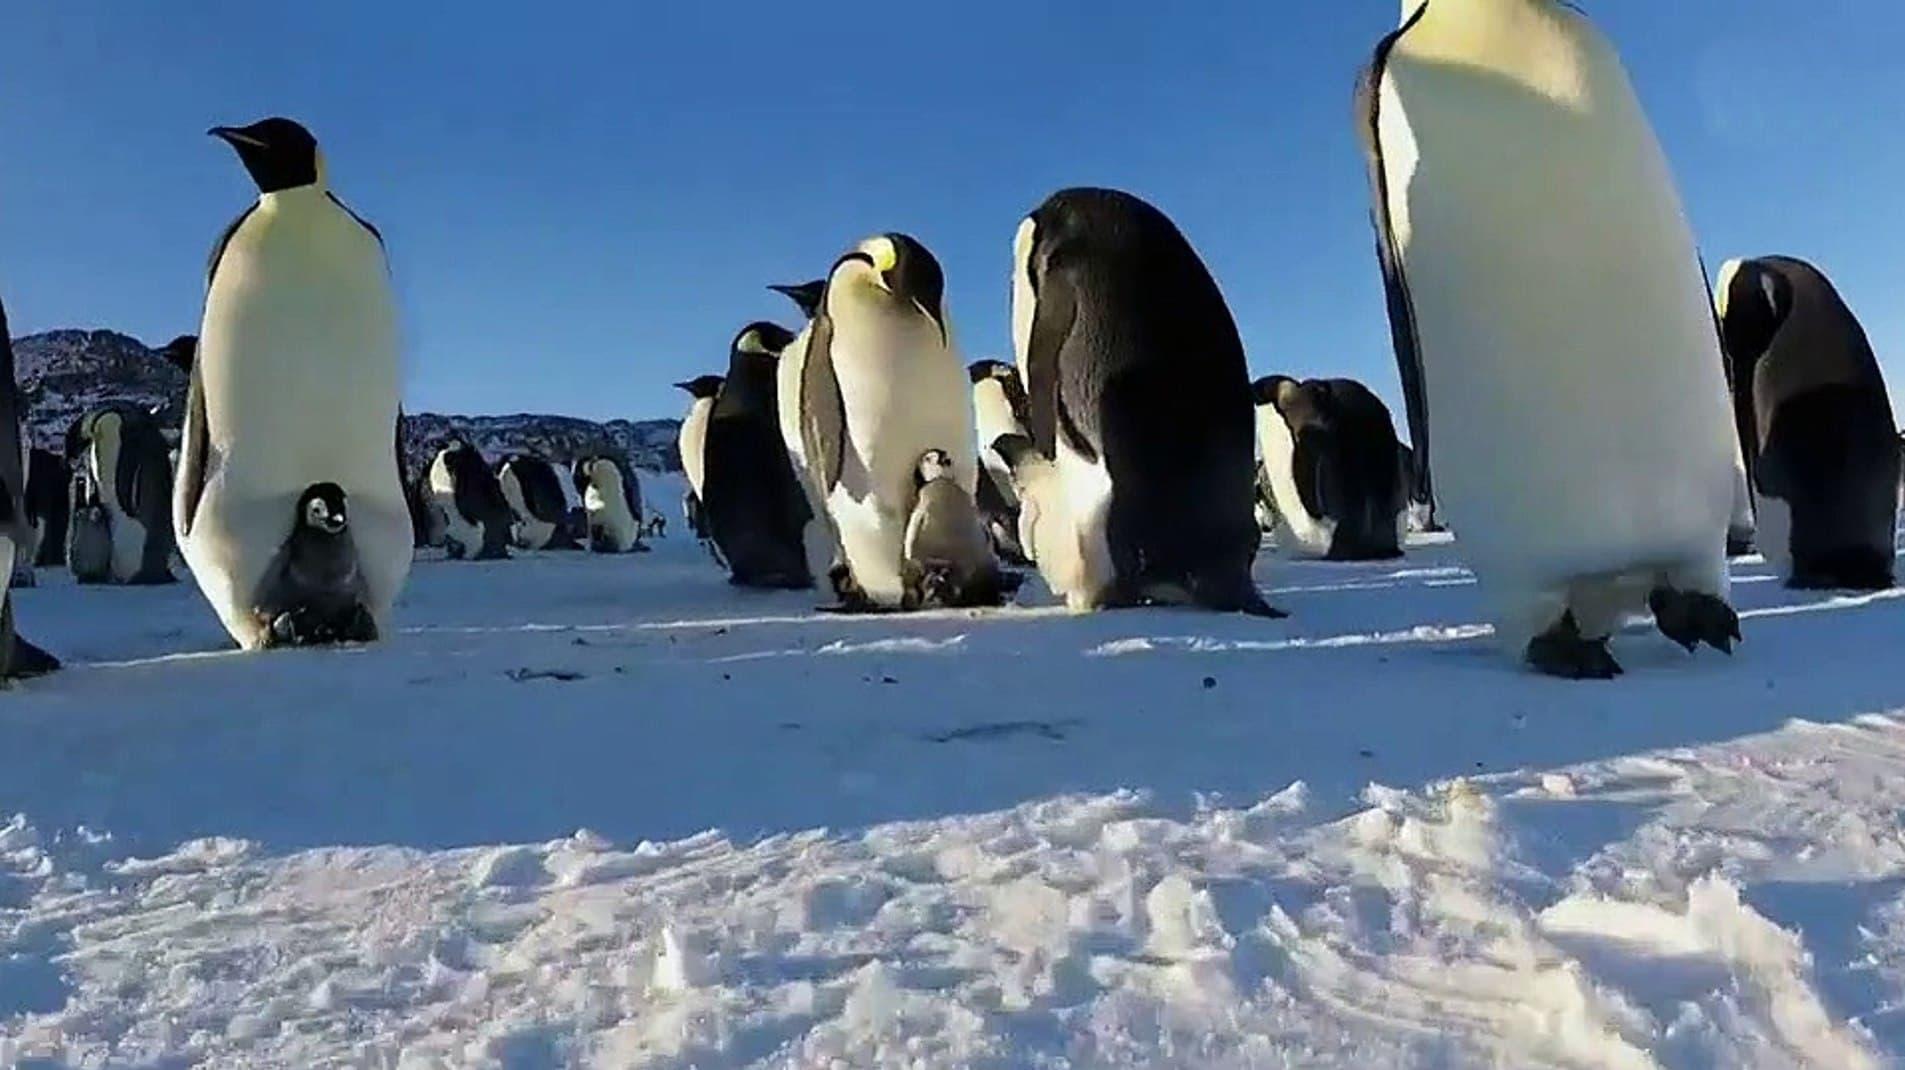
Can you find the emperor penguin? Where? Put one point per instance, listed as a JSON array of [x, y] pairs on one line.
[[822, 545], [19, 658], [125, 461], [539, 509], [999, 409], [611, 503], [1047, 530], [756, 511], [466, 494], [949, 561], [1330, 456], [313, 593], [48, 506], [1552, 328], [1815, 421], [882, 384], [180, 352], [294, 386], [702, 392], [1138, 394]]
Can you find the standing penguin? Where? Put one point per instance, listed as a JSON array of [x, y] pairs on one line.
[[611, 503], [539, 509], [294, 386], [1139, 395], [755, 508], [127, 466], [999, 409], [948, 555], [1332, 461], [882, 384], [18, 658], [1815, 422], [822, 545], [1552, 328], [466, 494], [48, 505], [702, 391]]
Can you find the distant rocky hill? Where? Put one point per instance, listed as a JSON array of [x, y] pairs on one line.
[[65, 373]]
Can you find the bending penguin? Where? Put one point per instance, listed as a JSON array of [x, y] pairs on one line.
[[1552, 328], [48, 505], [999, 409], [1815, 422], [611, 503], [702, 391], [125, 472], [881, 385], [1333, 466], [466, 494], [756, 511], [539, 509], [1139, 397], [822, 545], [293, 405], [19, 659], [948, 555]]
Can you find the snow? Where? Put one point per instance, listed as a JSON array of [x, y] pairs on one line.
[[610, 811]]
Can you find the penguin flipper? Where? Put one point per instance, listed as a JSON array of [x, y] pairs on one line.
[[225, 239], [823, 424], [1053, 315], [1402, 317], [194, 457]]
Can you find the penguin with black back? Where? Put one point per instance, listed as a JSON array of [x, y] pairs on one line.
[[754, 506], [19, 659], [1816, 423], [1138, 393]]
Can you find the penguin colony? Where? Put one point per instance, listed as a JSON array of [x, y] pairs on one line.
[[1600, 430]]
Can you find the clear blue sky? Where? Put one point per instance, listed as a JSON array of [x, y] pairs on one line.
[[584, 200]]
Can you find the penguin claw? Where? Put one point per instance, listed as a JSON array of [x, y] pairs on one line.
[[1563, 652], [1690, 619]]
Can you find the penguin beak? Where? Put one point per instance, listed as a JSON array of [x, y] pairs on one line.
[[235, 137]]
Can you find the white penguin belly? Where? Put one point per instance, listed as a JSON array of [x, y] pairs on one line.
[[817, 537], [904, 392], [127, 534], [608, 510], [1577, 401], [457, 528], [992, 413], [529, 532], [298, 361], [693, 442], [1301, 533]]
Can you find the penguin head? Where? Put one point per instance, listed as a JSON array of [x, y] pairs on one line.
[[1272, 390], [321, 509], [933, 465], [981, 370], [700, 388], [279, 153], [762, 339], [180, 352], [806, 294], [903, 268]]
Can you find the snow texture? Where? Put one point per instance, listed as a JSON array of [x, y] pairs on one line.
[[611, 812]]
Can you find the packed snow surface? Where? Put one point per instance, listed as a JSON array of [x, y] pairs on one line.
[[611, 812]]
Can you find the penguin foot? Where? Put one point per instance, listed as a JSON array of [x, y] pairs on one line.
[[1562, 651], [156, 578], [29, 661], [306, 627], [1690, 619], [24, 577], [1739, 545]]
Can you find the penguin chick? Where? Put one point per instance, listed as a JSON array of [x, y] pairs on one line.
[[315, 593], [948, 558]]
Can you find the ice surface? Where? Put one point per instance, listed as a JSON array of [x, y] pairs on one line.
[[609, 811]]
